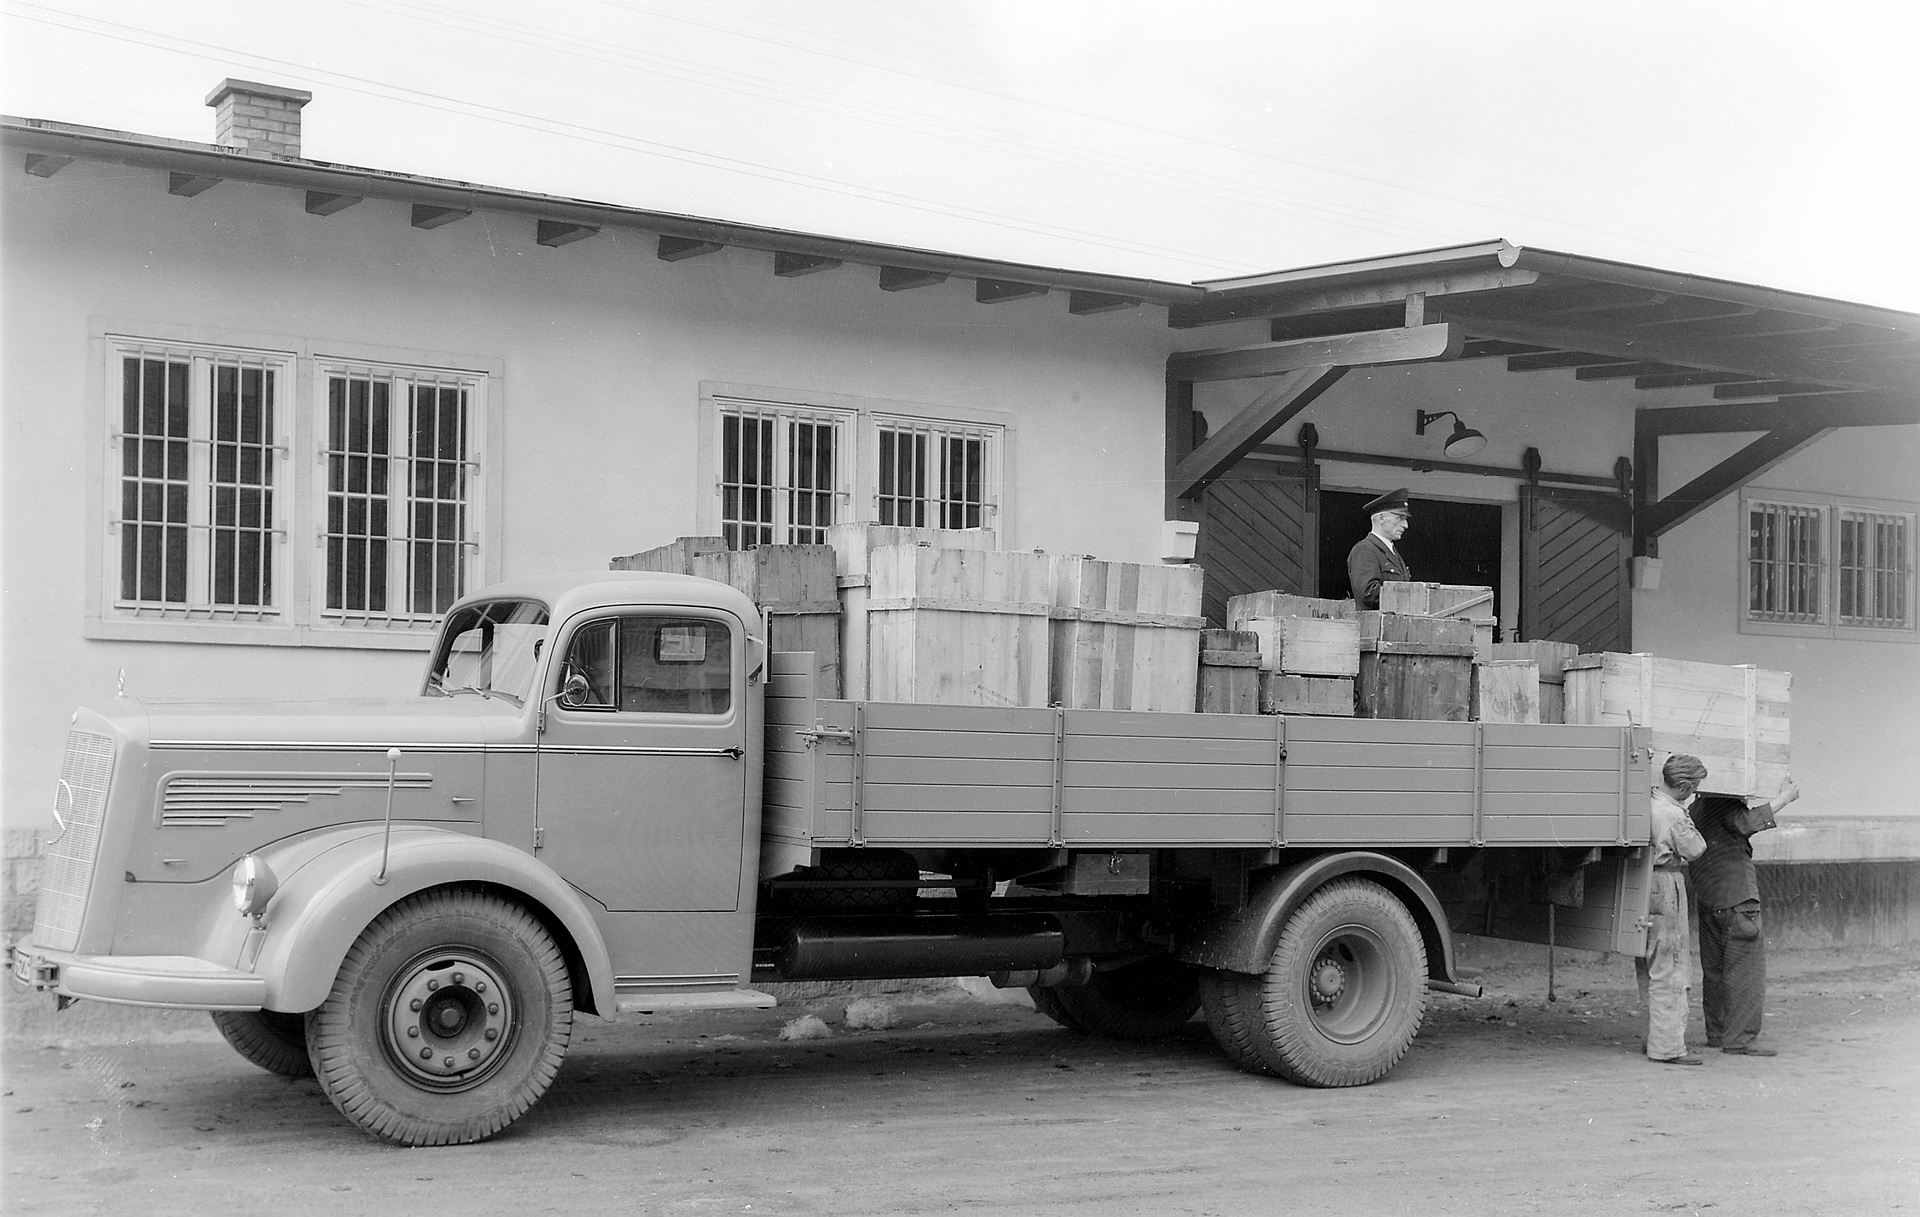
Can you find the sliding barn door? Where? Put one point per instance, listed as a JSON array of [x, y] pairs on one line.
[[1257, 533], [1575, 568]]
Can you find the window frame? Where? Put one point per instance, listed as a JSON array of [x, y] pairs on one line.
[[299, 487], [1832, 510], [858, 493]]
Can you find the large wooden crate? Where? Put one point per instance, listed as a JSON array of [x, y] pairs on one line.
[[1414, 667], [794, 586], [674, 558], [1308, 646], [1552, 658], [1229, 672], [1281, 693], [958, 626], [1506, 691], [1734, 718], [853, 546], [1125, 636], [1242, 609]]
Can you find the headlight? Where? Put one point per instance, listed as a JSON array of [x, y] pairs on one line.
[[254, 883]]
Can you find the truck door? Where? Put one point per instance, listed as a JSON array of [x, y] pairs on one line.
[[642, 773]]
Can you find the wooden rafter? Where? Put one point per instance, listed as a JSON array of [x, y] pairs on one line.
[[1413, 345], [1293, 392]]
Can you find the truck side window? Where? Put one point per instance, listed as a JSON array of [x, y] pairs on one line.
[[659, 665]]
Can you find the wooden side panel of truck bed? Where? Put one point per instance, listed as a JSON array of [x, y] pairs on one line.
[[898, 774]]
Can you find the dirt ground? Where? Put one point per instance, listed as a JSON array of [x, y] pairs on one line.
[[1506, 1104]]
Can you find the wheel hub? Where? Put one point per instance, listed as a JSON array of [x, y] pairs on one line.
[[448, 1019]]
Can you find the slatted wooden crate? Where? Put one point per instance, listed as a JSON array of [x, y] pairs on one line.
[[1506, 691], [1552, 658], [1229, 672], [1281, 693], [674, 558], [958, 626], [1734, 718], [794, 586], [1241, 609], [1414, 667], [853, 546], [1125, 635]]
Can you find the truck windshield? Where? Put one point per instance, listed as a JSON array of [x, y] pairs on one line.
[[489, 650]]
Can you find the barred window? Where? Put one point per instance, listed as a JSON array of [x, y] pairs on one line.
[[401, 467], [198, 439], [781, 474], [1876, 571]]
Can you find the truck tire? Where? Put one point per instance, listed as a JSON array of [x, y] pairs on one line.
[[1231, 1001], [1146, 1000], [447, 1021], [274, 1041], [1347, 988]]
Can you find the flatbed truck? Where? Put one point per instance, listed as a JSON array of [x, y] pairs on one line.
[[609, 798]]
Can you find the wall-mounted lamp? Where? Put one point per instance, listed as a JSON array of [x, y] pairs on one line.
[[1464, 441]]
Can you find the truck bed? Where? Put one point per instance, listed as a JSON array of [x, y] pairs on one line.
[[844, 773]]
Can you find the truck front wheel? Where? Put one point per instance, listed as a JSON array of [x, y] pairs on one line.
[[1344, 995], [1146, 1000], [449, 1019], [274, 1041]]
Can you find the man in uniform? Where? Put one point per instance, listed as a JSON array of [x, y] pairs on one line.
[[1374, 560], [1733, 950]]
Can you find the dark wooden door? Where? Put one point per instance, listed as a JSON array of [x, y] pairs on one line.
[[1575, 564], [1257, 534]]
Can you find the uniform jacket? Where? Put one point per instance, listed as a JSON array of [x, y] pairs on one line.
[[1369, 564]]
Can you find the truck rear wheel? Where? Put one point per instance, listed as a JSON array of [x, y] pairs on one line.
[[449, 1018], [1146, 1000], [274, 1041], [1346, 990]]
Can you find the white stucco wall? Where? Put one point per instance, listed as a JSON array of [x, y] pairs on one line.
[[601, 349]]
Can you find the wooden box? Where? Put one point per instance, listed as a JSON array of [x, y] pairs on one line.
[[1414, 667], [957, 626], [1552, 658], [1241, 609], [1506, 691], [1281, 693], [1308, 646], [673, 558], [1734, 718], [853, 546], [794, 586], [1229, 672], [1125, 636]]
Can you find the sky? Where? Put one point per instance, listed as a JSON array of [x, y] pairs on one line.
[[1762, 141]]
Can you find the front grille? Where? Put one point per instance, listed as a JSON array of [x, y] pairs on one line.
[[67, 876]]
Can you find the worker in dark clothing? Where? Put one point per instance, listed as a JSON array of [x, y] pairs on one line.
[[1374, 560], [1733, 948]]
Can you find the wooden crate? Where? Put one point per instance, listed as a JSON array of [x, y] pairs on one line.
[[1281, 693], [1414, 667], [1241, 609], [1436, 599], [1125, 635], [958, 626], [674, 558], [853, 546], [1229, 672], [1506, 691], [1308, 646], [1734, 718], [794, 586], [1552, 658]]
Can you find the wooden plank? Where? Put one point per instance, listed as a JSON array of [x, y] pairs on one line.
[[1414, 344]]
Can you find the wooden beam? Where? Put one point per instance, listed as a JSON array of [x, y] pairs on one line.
[[1725, 478], [1752, 359], [555, 233], [1084, 304], [46, 166], [1838, 410], [679, 249], [430, 215], [995, 291], [1346, 350], [1293, 392], [792, 266], [325, 203], [186, 185], [906, 278]]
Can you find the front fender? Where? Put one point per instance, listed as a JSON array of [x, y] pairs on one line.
[[1244, 939], [328, 896]]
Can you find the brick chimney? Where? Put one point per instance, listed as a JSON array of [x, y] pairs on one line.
[[257, 118]]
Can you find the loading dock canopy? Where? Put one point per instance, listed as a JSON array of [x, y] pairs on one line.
[[1791, 366]]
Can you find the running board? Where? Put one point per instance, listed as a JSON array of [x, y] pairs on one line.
[[719, 999]]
